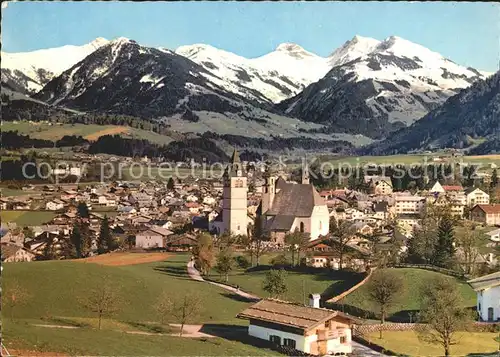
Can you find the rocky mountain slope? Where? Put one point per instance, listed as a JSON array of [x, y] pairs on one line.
[[28, 72], [378, 87], [123, 77], [470, 116], [269, 79]]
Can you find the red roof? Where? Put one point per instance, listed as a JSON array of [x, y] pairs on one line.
[[490, 209], [453, 188], [325, 193]]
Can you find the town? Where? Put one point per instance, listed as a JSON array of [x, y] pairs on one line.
[[259, 216]]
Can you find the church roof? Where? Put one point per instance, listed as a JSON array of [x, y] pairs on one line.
[[296, 200], [235, 165], [280, 223], [280, 183]]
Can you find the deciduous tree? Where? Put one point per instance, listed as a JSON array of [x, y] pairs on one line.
[[224, 263], [275, 283], [104, 300], [384, 289], [442, 314], [14, 295]]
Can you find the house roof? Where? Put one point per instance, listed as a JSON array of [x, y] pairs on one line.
[[296, 200], [289, 314], [452, 188], [9, 250], [162, 231], [485, 282], [489, 209]]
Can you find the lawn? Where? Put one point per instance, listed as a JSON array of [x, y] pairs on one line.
[[5, 192], [93, 342], [300, 283], [407, 342], [88, 131], [65, 283], [414, 280], [27, 218]]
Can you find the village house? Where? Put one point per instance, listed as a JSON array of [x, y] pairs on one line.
[[154, 237], [475, 196], [15, 253], [408, 204], [494, 236], [379, 185], [486, 214], [54, 205], [309, 329], [488, 296]]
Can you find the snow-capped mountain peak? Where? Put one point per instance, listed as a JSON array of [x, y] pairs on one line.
[[293, 48], [357, 47], [99, 42], [30, 71]]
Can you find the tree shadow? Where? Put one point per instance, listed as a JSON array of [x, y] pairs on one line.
[[236, 297], [176, 271], [150, 327]]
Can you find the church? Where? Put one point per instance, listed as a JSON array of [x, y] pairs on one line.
[[285, 206]]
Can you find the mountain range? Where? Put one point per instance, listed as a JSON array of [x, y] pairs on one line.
[[363, 91]]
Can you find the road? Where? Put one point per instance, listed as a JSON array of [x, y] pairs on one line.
[[195, 275]]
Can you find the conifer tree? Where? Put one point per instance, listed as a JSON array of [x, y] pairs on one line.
[[444, 249]]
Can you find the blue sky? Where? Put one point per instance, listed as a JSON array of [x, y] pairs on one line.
[[468, 33]]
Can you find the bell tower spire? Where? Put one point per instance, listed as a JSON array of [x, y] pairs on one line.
[[305, 171]]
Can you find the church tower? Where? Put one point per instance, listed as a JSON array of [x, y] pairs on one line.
[[234, 198], [268, 190], [305, 172]]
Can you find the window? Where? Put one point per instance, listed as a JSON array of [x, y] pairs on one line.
[[275, 339], [302, 227], [343, 339], [288, 342]]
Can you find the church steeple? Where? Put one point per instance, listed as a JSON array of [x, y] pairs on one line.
[[305, 172]]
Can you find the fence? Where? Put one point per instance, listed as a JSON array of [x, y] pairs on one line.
[[450, 272], [347, 292]]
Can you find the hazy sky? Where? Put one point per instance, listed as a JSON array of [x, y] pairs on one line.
[[467, 33]]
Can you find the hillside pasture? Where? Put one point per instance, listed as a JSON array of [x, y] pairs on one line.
[[124, 258], [414, 279], [27, 218]]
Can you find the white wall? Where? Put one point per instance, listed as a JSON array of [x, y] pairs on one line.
[[264, 333], [142, 241], [489, 298]]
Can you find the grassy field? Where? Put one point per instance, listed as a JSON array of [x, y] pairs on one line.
[[57, 301], [77, 342], [299, 283], [27, 218], [416, 159], [414, 280], [88, 131], [407, 343], [6, 192]]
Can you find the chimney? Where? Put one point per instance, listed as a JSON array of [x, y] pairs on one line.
[[314, 300]]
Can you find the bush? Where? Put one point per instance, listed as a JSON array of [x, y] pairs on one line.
[[280, 260], [242, 262]]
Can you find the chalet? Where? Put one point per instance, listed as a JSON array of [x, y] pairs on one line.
[[488, 296], [486, 214], [494, 235], [180, 243], [309, 329], [379, 185], [153, 237], [475, 196], [15, 253], [54, 205]]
